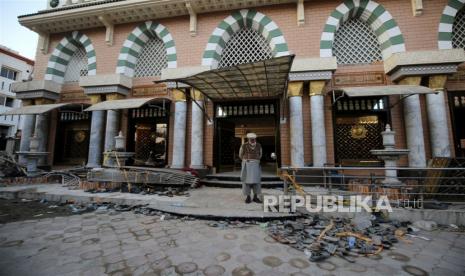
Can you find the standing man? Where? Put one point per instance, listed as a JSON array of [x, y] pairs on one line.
[[251, 174]]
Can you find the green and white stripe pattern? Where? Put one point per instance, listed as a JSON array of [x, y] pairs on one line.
[[63, 52], [233, 23], [447, 22], [135, 42], [385, 27]]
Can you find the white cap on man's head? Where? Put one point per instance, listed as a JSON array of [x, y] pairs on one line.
[[251, 135]]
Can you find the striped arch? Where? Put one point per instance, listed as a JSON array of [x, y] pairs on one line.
[[385, 27], [447, 22], [135, 42], [233, 23], [63, 52]]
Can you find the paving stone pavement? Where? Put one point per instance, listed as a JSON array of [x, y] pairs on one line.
[[133, 244]]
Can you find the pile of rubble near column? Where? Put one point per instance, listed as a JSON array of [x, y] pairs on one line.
[[320, 238]]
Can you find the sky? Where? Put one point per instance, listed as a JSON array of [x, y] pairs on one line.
[[13, 35]]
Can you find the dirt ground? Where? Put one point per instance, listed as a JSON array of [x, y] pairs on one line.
[[18, 210]]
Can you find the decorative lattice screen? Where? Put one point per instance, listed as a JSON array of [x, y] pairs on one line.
[[152, 59], [77, 66], [247, 45], [355, 42], [458, 31]]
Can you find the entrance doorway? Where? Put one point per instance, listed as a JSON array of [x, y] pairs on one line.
[[358, 124], [457, 108], [234, 121], [148, 135], [72, 137]]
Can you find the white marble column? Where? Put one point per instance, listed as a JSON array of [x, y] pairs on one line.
[[179, 135], [197, 131], [317, 109], [296, 124], [97, 130], [29, 122], [437, 118], [41, 131], [414, 131], [414, 125], [111, 131]]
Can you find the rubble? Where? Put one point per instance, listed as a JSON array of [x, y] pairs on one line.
[[320, 238]]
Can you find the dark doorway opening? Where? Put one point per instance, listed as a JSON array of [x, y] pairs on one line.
[[233, 120], [457, 109], [148, 135], [72, 137], [358, 123]]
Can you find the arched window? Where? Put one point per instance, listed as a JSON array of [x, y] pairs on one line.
[[458, 30], [77, 66], [246, 45], [152, 59], [355, 42]]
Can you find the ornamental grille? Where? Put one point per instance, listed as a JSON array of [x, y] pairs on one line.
[[355, 42], [356, 136], [152, 59], [73, 116], [77, 66], [362, 104], [148, 112], [245, 46], [458, 30], [244, 110]]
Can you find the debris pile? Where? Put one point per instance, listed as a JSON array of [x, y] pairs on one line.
[[9, 167], [320, 237], [143, 190]]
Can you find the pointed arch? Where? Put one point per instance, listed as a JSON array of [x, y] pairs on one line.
[[389, 36], [236, 21], [135, 42], [63, 52], [447, 23]]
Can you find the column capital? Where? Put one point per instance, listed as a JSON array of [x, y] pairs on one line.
[[317, 88], [95, 98], [437, 82], [294, 88], [41, 101], [414, 80], [196, 95], [114, 96], [178, 95]]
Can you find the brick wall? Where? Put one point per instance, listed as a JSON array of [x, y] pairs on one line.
[[420, 33]]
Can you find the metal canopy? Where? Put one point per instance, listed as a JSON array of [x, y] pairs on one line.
[[35, 109], [123, 104], [265, 78], [386, 90]]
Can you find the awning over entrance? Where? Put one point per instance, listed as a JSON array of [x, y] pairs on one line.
[[386, 90], [265, 78], [36, 109], [123, 104]]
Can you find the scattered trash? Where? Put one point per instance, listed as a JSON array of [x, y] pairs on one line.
[[162, 218], [38, 215], [53, 206], [319, 237]]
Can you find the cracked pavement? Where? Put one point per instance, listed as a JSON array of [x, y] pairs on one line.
[[124, 243]]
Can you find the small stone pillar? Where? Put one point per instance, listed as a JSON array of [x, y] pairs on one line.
[[318, 122], [179, 135], [296, 123], [197, 130], [390, 156]]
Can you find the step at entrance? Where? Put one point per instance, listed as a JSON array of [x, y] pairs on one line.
[[234, 181]]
